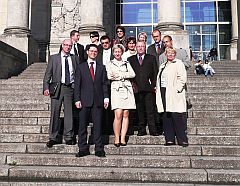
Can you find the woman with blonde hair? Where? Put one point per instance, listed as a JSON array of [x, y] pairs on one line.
[[120, 72], [171, 99]]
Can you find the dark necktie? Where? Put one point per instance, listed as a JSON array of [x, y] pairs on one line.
[[75, 49], [140, 60], [92, 70], [67, 72], [158, 49]]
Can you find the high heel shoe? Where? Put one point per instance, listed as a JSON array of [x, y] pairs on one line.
[[117, 144], [123, 144]]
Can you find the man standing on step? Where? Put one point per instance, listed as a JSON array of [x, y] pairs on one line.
[[58, 82], [91, 96], [145, 68]]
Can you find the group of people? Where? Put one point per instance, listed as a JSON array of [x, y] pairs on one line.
[[117, 76], [205, 68]]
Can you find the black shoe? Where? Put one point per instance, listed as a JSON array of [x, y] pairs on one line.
[[183, 144], [117, 144], [169, 143], [71, 142], [100, 153], [154, 134], [141, 134], [50, 143], [82, 153], [123, 144]]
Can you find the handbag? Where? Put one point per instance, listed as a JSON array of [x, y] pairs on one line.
[[53, 88]]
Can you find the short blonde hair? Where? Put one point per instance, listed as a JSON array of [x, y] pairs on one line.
[[144, 34], [170, 49], [119, 46]]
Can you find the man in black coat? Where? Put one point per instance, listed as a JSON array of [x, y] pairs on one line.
[[144, 83]]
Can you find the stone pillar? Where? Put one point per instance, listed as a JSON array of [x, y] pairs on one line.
[[233, 48], [169, 15], [17, 17], [169, 22], [238, 41], [91, 19]]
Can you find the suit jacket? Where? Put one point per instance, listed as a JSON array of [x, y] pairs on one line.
[[146, 73], [180, 54], [152, 50], [54, 71], [81, 52], [100, 55], [86, 90]]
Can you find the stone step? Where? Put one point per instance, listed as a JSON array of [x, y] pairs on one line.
[[44, 129], [219, 107], [24, 114], [191, 150], [210, 114], [24, 106], [204, 90], [132, 140], [214, 121], [110, 174], [196, 162]]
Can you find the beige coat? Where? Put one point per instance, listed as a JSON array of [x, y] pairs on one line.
[[175, 91], [122, 95]]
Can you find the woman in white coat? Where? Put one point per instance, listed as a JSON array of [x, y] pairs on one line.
[[122, 97], [170, 98]]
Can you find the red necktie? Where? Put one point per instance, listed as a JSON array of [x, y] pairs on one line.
[[92, 70], [158, 49], [140, 60]]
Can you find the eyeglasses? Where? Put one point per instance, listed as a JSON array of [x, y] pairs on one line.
[[105, 42], [119, 31], [93, 36], [67, 45]]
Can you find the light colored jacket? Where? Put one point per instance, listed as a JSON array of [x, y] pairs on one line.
[[175, 88], [123, 71]]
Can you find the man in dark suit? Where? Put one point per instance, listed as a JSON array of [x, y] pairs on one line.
[[91, 96], [104, 56], [145, 68], [105, 51], [156, 49], [60, 74], [77, 48]]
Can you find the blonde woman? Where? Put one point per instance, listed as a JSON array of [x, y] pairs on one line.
[[122, 98], [171, 99]]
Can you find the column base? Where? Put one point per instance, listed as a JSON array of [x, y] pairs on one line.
[[16, 30], [233, 49]]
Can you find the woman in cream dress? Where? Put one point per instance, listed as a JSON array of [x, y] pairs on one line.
[[122, 97]]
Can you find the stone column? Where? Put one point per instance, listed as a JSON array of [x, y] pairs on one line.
[[17, 17], [169, 15], [169, 22], [91, 18], [233, 48], [238, 42]]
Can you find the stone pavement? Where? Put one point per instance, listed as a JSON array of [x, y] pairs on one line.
[[213, 156]]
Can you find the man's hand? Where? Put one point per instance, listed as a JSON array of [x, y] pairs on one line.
[[78, 104], [46, 92]]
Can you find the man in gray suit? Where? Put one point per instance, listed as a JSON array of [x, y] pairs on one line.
[[181, 53], [58, 82]]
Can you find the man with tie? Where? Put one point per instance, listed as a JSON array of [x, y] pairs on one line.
[[77, 48], [145, 68], [91, 96], [156, 49], [59, 76]]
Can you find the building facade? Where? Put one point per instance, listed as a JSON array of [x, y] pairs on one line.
[[201, 24]]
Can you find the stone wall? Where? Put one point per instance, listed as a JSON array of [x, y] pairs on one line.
[[12, 61]]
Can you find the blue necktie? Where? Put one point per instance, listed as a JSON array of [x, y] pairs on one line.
[[67, 73]]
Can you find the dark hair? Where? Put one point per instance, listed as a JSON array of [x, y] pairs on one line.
[[105, 37], [91, 45], [168, 37], [121, 28], [131, 38], [94, 33], [156, 30], [72, 33]]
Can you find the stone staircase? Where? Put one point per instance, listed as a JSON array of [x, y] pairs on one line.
[[213, 156]]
